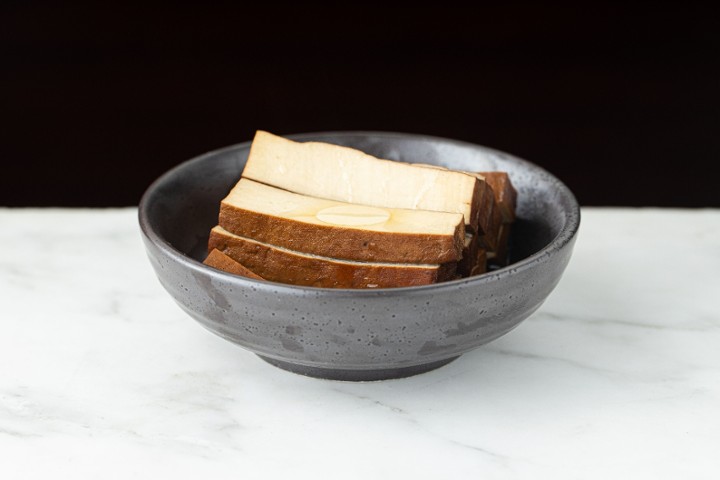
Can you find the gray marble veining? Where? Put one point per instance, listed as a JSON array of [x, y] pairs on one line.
[[616, 376]]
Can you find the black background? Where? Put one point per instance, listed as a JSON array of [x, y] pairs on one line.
[[623, 104]]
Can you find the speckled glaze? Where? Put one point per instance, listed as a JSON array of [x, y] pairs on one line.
[[358, 335]]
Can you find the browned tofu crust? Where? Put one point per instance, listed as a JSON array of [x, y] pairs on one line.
[[286, 266], [219, 260]]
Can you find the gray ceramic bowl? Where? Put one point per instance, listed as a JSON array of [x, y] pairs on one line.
[[358, 334]]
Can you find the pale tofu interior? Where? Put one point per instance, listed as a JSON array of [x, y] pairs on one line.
[[257, 197], [349, 175]]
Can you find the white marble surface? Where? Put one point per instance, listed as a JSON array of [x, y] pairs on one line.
[[616, 376]]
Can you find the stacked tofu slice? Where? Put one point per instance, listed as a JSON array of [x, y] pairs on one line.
[[323, 215]]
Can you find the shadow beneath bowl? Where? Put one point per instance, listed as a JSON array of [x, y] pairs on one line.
[[357, 375]]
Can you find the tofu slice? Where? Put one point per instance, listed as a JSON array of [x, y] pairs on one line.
[[505, 193], [219, 260], [493, 221], [489, 217], [341, 230], [480, 264], [499, 257], [469, 255], [475, 258], [506, 201], [283, 265], [348, 175]]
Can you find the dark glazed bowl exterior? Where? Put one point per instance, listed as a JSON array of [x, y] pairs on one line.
[[358, 334]]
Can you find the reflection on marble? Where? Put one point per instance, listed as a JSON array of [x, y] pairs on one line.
[[616, 376]]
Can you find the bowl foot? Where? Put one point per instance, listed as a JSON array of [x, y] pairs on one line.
[[357, 375]]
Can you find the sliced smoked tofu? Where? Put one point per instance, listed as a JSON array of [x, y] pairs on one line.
[[283, 265], [344, 174], [488, 216], [219, 260], [506, 203], [469, 255], [341, 230], [480, 263], [505, 193]]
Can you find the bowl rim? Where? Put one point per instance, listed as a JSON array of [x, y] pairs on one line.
[[565, 236]]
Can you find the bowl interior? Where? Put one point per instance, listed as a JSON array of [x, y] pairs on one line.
[[183, 205]]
